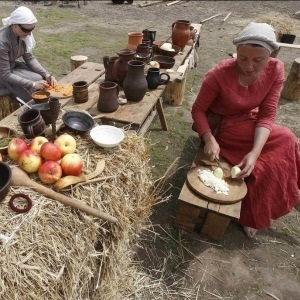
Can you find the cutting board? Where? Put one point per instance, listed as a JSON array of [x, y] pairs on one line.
[[60, 94], [237, 187]]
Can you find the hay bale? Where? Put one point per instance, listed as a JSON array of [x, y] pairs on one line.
[[55, 252]]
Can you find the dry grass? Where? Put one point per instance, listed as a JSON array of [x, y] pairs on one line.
[[55, 252]]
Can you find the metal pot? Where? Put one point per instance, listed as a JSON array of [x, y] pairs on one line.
[[78, 121]]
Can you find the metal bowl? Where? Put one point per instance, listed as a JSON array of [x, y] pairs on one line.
[[78, 121], [6, 134], [5, 179]]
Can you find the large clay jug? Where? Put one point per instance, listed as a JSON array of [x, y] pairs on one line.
[[135, 84], [108, 96], [109, 68], [120, 66], [134, 39], [181, 33]]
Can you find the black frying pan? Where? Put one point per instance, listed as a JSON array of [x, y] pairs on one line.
[[78, 121]]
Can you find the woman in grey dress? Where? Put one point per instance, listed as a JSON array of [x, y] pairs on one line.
[[20, 78]]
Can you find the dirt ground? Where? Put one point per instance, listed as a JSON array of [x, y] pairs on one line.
[[193, 266]]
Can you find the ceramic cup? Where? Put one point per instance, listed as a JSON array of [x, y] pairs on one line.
[[32, 123], [154, 78]]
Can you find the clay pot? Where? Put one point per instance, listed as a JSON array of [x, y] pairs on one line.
[[109, 68], [154, 78], [134, 39], [192, 32], [120, 66], [135, 84], [149, 34], [108, 97], [181, 33]]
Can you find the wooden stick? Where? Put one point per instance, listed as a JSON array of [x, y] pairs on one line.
[[271, 295], [297, 12], [226, 17], [150, 3], [174, 2], [201, 22]]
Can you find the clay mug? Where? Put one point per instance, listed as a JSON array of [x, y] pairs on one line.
[[32, 123], [154, 78], [80, 92], [108, 97]]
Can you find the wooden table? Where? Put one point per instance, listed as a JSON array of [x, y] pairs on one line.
[[195, 211]]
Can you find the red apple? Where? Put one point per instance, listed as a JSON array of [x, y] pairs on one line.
[[50, 171], [36, 143], [50, 151], [71, 164], [15, 147], [66, 143], [29, 161]]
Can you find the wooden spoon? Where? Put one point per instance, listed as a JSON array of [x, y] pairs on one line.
[[20, 178]]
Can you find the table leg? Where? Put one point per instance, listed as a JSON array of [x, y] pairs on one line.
[[161, 115]]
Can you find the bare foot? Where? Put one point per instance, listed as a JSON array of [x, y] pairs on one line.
[[250, 232]]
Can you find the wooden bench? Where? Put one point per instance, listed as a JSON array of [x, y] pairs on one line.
[[195, 212], [8, 104]]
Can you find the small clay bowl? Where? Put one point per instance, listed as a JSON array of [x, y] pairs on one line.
[[5, 179], [145, 57], [165, 62], [169, 53], [41, 96], [6, 134]]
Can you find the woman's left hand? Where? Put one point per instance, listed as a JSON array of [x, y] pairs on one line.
[[247, 164], [51, 80]]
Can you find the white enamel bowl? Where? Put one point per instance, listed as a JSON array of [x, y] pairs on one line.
[[107, 136]]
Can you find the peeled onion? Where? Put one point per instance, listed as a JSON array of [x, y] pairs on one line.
[[218, 172], [235, 171]]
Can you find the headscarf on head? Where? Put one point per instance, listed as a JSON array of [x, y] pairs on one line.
[[262, 34], [22, 15]]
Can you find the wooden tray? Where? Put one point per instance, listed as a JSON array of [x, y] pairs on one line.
[[237, 187], [60, 94]]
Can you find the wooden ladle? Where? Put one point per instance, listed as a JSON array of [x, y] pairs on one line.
[[20, 178]]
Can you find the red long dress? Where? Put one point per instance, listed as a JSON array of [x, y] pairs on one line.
[[273, 186]]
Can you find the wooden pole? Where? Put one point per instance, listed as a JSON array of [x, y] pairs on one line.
[[291, 90], [77, 60]]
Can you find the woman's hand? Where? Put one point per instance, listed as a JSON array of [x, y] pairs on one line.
[[211, 148], [40, 85], [247, 164], [51, 80]]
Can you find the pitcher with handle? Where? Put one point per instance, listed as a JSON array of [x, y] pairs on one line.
[[154, 78]]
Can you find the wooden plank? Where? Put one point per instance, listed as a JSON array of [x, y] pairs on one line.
[[215, 225], [285, 45], [148, 3], [132, 112], [173, 2], [233, 210], [186, 216]]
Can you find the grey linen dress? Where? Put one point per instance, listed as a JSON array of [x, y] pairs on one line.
[[17, 76]]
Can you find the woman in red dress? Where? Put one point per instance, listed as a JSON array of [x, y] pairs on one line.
[[234, 115]]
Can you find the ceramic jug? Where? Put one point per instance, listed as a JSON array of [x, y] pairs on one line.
[[154, 78], [135, 84], [120, 66], [181, 33], [134, 38], [108, 97], [109, 68], [149, 34]]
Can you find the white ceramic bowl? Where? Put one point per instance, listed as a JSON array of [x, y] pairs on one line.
[[107, 136]]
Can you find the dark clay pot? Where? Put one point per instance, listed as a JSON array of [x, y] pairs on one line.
[[135, 84], [154, 78], [109, 68], [108, 97], [120, 65], [181, 33]]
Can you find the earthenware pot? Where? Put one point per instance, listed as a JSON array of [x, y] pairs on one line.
[[120, 66], [134, 39], [135, 84], [181, 33], [108, 97], [154, 78], [109, 68]]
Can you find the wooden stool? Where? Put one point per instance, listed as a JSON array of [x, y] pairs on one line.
[[195, 211], [8, 104]]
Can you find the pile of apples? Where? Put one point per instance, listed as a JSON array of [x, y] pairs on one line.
[[51, 160]]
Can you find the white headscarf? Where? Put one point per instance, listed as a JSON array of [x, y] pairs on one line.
[[22, 15], [258, 33]]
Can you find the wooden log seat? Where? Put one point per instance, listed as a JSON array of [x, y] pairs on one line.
[[8, 104]]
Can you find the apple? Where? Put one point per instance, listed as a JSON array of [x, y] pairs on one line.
[[29, 161], [66, 143], [71, 164], [15, 147], [50, 171], [49, 151], [36, 143]]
